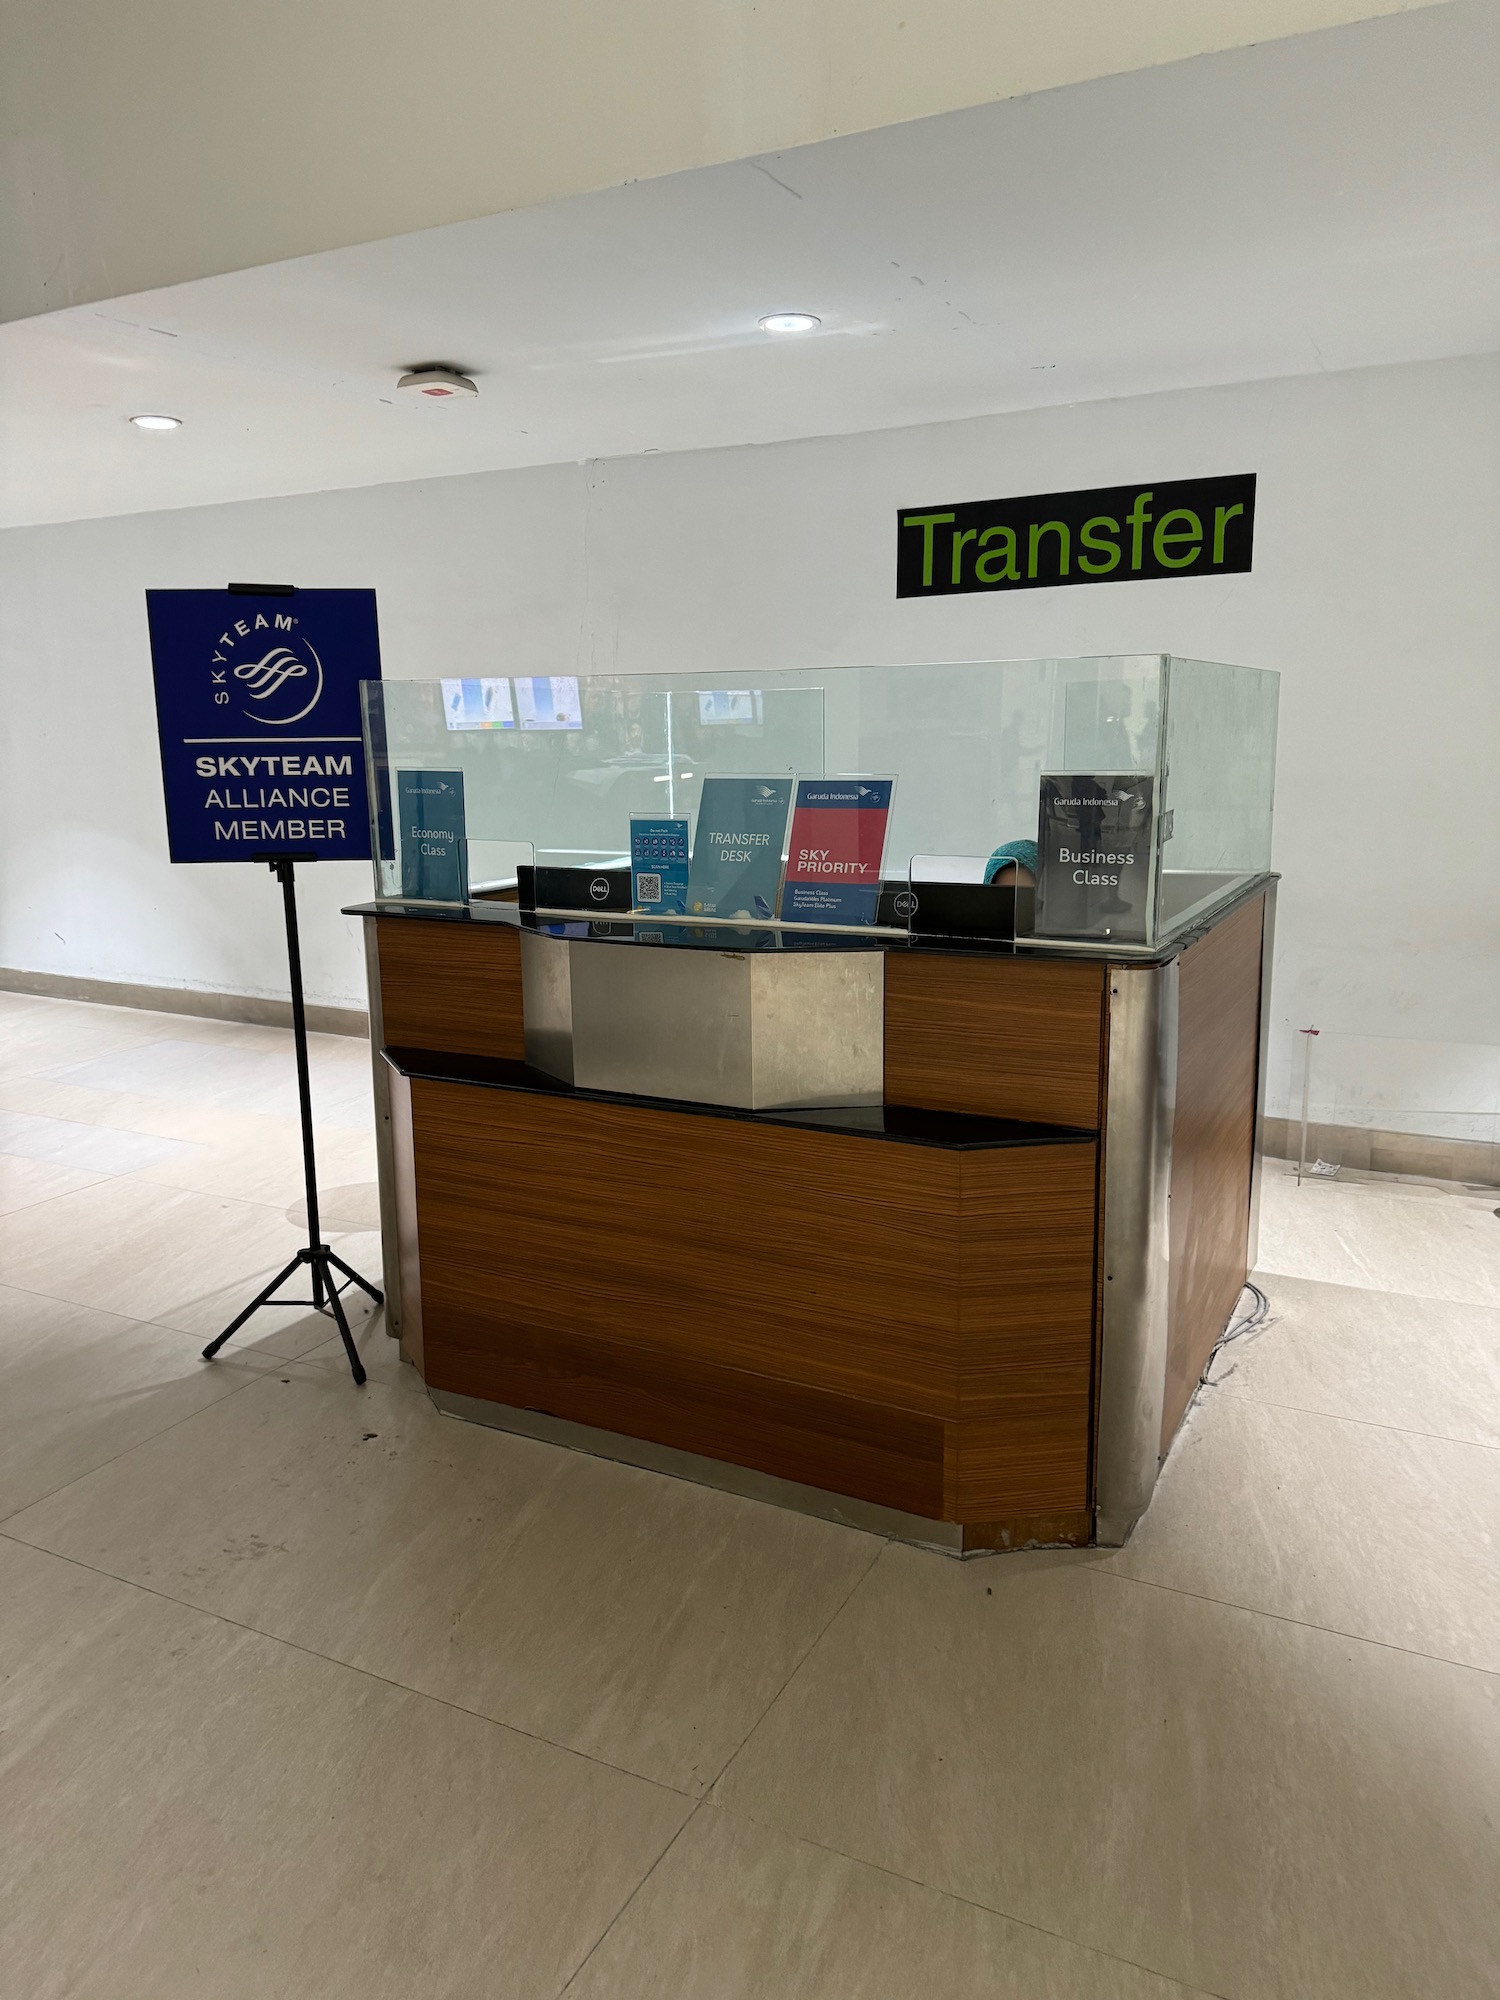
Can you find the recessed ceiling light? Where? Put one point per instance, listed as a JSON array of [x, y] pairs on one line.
[[789, 322], [157, 423]]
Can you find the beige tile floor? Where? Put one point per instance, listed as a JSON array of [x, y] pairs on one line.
[[309, 1692]]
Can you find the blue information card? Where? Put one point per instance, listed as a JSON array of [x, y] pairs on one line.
[[430, 816], [738, 847], [659, 864]]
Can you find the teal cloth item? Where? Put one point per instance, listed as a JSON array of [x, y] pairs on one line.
[[1022, 852]]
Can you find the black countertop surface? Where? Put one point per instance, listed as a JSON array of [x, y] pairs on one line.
[[658, 933], [906, 1126]]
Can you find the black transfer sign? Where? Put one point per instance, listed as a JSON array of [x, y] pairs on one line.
[[1105, 534], [257, 707]]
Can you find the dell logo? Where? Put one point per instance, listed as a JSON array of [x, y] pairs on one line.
[[599, 889]]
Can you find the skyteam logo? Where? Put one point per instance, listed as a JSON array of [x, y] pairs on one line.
[[266, 676], [263, 668]]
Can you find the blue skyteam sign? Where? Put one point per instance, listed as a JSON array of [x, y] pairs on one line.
[[257, 708]]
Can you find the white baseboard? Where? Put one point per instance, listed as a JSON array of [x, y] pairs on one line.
[[1379, 1152], [182, 1000]]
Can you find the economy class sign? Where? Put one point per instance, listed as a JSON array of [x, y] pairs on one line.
[[257, 709]]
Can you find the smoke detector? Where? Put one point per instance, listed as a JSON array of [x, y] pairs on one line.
[[437, 381]]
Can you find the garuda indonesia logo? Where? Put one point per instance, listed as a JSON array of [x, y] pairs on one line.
[[267, 669]]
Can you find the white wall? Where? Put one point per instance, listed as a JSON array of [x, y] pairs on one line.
[[161, 140], [1376, 593]]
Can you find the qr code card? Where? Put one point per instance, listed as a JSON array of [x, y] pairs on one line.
[[648, 888]]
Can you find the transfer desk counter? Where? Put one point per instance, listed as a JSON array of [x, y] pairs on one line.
[[927, 1236]]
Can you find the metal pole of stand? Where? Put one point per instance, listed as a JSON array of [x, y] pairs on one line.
[[286, 874], [317, 1255]]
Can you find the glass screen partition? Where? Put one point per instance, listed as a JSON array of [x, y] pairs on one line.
[[1219, 764], [1106, 801]]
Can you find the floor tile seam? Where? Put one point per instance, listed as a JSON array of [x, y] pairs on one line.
[[268, 1124], [91, 1124], [347, 1666], [1190, 1991], [159, 1325], [1304, 1624], [154, 1438], [68, 1167], [1403, 1188], [137, 1176], [26, 1207], [48, 1072], [1377, 1291], [1364, 1423], [239, 1200], [94, 1125], [53, 1118], [1262, 1278], [697, 1807], [31, 1207], [109, 1312], [378, 1358], [40, 1075], [243, 1200], [798, 1664], [291, 1119]]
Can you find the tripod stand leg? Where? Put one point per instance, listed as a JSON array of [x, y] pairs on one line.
[[254, 1306], [316, 1256], [354, 1277], [356, 1366]]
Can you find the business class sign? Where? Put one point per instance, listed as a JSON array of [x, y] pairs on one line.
[[1107, 534]]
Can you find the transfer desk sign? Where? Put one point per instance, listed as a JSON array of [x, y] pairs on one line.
[[257, 707]]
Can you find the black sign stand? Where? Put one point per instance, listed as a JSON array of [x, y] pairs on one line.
[[319, 1258]]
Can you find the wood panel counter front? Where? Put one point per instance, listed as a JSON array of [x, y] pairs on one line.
[[903, 1318], [905, 1304]]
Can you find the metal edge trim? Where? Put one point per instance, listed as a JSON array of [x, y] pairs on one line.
[[385, 1173], [742, 1480], [1262, 1064], [1141, 1100]]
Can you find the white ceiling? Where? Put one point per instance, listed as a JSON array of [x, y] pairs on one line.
[[1331, 201]]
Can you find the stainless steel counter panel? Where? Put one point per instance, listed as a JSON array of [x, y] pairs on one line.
[[1258, 1158], [547, 1004], [390, 1264], [1136, 1179], [775, 1030]]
